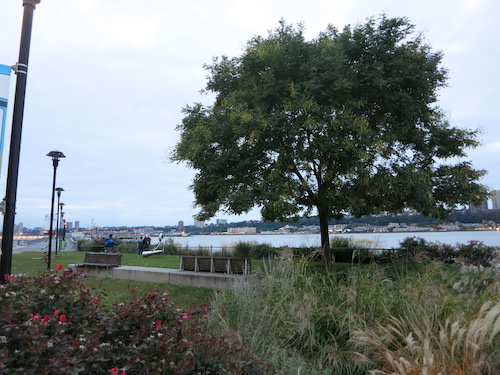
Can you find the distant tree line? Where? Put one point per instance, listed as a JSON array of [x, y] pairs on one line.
[[463, 217]]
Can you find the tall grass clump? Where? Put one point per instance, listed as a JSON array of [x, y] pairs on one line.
[[253, 250], [395, 319]]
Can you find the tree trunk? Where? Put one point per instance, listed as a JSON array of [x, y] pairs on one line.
[[325, 239]]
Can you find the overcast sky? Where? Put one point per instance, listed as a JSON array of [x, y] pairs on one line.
[[108, 80]]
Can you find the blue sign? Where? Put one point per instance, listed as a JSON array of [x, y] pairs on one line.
[[4, 98]]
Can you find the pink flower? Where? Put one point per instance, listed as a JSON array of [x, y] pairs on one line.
[[165, 292], [57, 312], [158, 323], [59, 267], [36, 316], [116, 370], [62, 318], [9, 277], [186, 316]]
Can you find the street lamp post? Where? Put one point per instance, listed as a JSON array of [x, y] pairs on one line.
[[21, 69], [55, 155], [63, 218], [60, 232], [58, 190]]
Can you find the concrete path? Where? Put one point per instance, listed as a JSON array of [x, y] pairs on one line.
[[43, 244]]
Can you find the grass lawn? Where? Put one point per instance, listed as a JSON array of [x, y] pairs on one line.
[[116, 291]]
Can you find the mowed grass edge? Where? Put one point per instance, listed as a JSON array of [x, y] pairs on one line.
[[32, 263]]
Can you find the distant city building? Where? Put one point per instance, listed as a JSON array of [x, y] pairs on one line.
[[180, 226], [221, 222], [69, 225], [199, 224], [242, 230], [77, 225], [18, 228], [474, 209], [495, 199]]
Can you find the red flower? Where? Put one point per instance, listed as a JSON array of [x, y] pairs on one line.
[[62, 318], [59, 267], [45, 319], [36, 316], [114, 370], [57, 312], [186, 316], [165, 291], [123, 373], [95, 301], [158, 323], [9, 277]]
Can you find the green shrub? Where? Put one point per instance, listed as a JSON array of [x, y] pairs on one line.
[[476, 253], [262, 251], [243, 249], [127, 248], [171, 247], [472, 253], [342, 249]]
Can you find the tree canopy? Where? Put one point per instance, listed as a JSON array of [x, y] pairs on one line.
[[344, 123]]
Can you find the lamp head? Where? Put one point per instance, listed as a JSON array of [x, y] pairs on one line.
[[56, 155]]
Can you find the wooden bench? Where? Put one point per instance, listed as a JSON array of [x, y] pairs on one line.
[[101, 260], [216, 264]]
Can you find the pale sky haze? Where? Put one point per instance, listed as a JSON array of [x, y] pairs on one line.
[[108, 80]]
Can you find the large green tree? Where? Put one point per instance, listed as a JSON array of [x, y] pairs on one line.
[[346, 123]]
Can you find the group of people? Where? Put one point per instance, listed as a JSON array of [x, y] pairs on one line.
[[143, 244]]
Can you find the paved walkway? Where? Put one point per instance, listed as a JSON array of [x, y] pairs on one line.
[[42, 244]]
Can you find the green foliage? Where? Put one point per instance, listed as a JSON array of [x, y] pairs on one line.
[[350, 322], [473, 253], [345, 123], [254, 250], [476, 253], [242, 249], [52, 324], [263, 251]]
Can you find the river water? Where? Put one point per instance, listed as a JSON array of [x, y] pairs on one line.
[[376, 240]]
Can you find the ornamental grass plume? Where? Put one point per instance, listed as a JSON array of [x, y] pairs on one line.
[[457, 347], [417, 342], [399, 318]]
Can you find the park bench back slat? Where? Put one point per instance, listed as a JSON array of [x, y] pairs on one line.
[[216, 264], [101, 260]]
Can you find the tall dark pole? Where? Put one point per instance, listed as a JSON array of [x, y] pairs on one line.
[[59, 190], [55, 155], [61, 226], [15, 140]]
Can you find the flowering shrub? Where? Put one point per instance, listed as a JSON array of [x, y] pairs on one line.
[[53, 324], [473, 253]]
